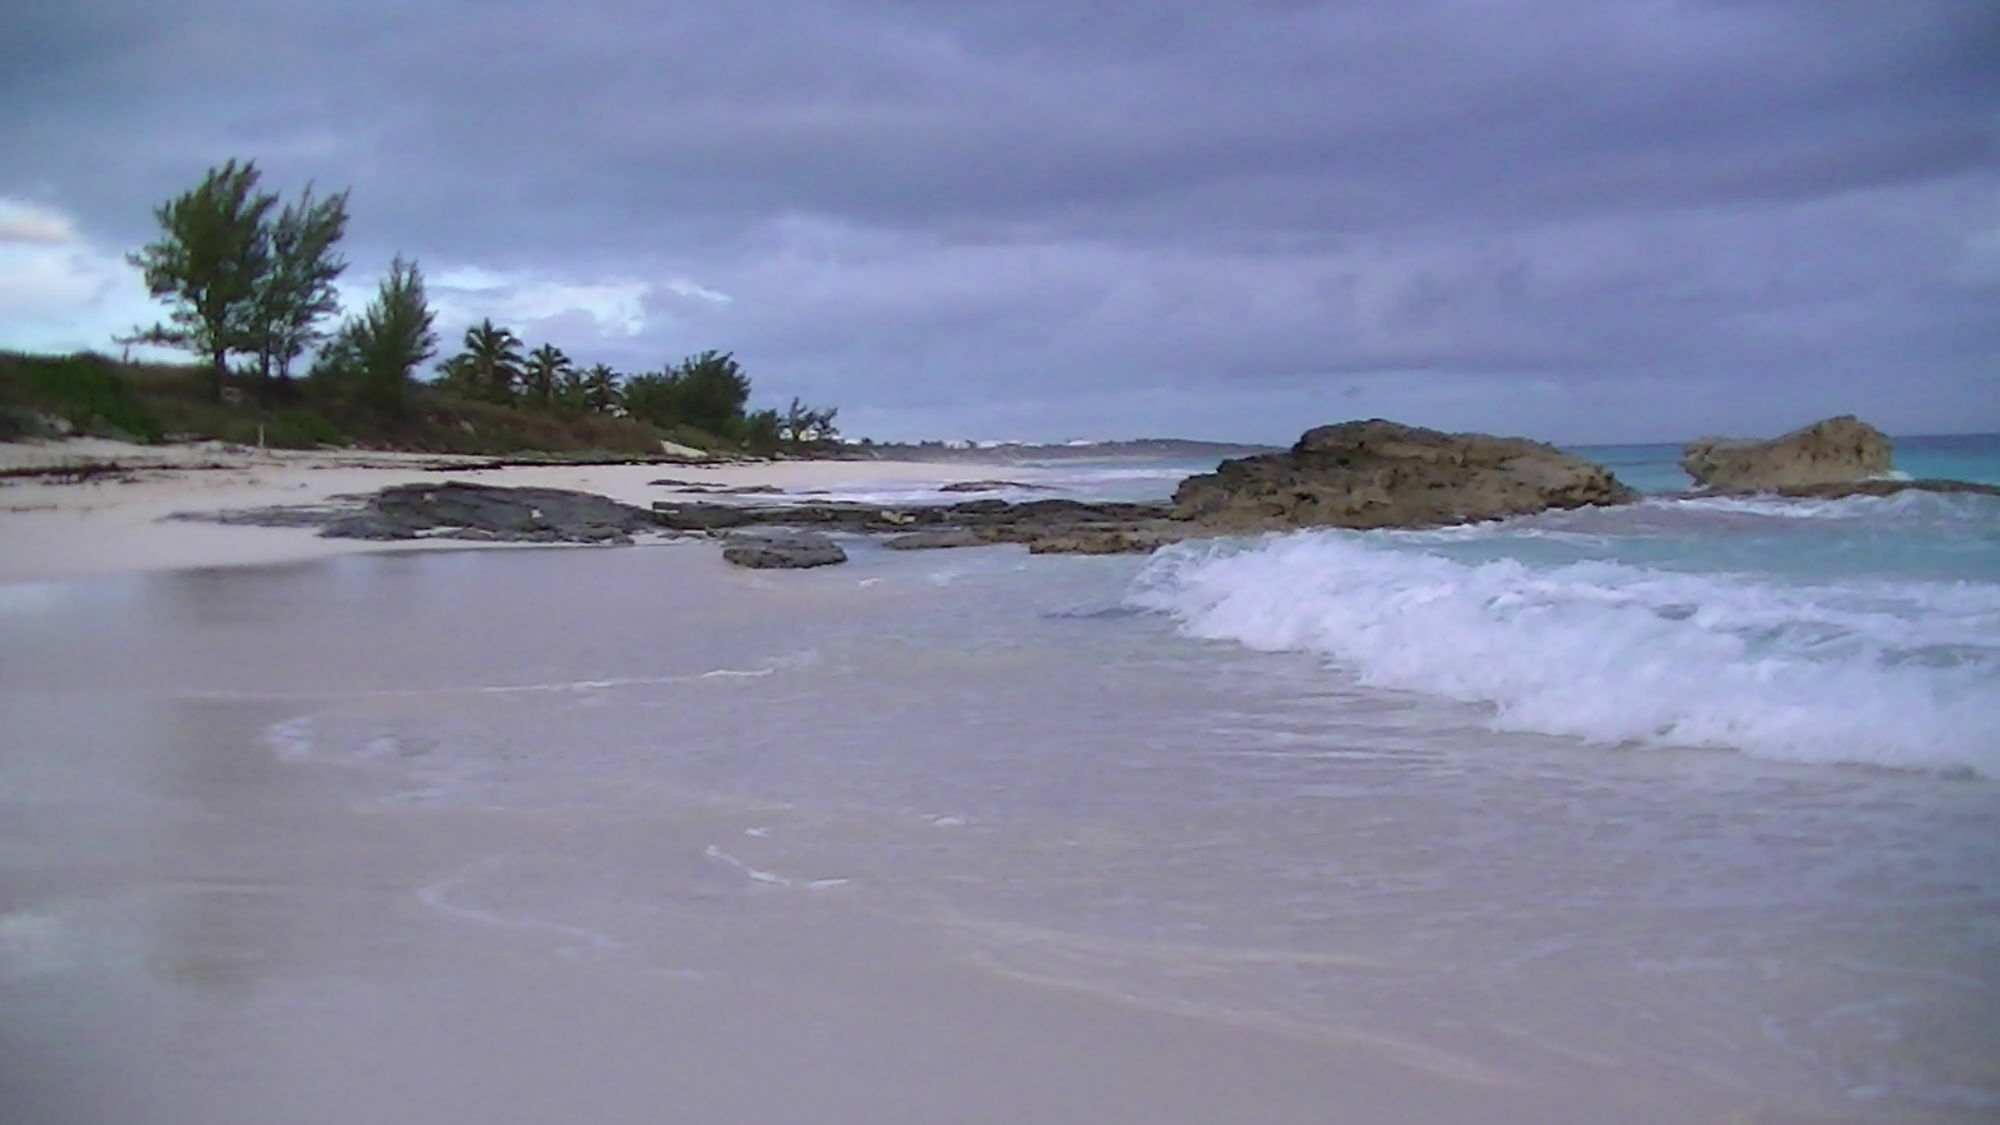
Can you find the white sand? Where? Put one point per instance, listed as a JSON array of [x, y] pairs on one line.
[[246, 884], [52, 528], [393, 842]]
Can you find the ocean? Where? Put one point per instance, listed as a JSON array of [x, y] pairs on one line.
[[1656, 467], [1688, 810]]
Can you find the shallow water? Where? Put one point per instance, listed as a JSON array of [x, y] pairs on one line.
[[1020, 761], [1863, 631]]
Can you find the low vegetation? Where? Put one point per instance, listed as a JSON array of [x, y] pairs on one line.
[[248, 285]]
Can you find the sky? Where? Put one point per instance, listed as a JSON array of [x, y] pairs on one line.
[[1624, 220]]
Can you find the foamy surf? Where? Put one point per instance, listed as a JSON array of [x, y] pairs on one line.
[[1880, 671]]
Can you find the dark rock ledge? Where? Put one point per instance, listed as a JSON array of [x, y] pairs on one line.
[[794, 531], [1369, 474]]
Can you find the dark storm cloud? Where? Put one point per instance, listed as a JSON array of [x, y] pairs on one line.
[[1576, 220]]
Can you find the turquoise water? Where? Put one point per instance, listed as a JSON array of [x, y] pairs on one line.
[[1656, 467], [1863, 630]]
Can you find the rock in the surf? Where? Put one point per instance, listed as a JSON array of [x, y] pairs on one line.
[[1833, 451], [1105, 539], [1374, 473], [936, 540], [796, 551]]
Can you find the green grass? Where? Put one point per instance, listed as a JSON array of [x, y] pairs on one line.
[[89, 391], [103, 397]]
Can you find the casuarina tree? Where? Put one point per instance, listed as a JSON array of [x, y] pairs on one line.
[[295, 292], [374, 353], [207, 263]]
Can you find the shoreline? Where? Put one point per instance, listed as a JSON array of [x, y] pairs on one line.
[[604, 832], [74, 508], [113, 522]]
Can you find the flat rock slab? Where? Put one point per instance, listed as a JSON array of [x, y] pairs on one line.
[[783, 552], [489, 512]]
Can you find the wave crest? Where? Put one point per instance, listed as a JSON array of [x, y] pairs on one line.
[[1903, 674]]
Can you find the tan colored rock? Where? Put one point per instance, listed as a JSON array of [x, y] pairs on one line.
[[1834, 451], [1383, 474]]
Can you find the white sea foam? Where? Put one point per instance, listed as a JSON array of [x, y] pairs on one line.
[[1897, 673], [1836, 508]]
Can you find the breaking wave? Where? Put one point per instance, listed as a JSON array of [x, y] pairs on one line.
[[1893, 672]]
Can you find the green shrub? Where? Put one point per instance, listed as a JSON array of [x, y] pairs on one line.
[[303, 427], [88, 390]]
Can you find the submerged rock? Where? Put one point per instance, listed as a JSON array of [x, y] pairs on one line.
[[936, 540], [783, 552], [1384, 474], [1106, 539], [1833, 451]]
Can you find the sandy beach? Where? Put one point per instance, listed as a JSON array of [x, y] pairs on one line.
[[52, 528], [630, 835], [250, 877]]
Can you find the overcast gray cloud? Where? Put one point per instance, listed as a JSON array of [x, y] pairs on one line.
[[1619, 220]]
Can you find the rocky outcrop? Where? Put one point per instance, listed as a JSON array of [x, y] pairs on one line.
[[783, 552], [492, 513], [1834, 451], [1382, 474], [457, 510], [1356, 474]]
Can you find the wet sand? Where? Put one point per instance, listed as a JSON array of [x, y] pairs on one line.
[[257, 952], [210, 916]]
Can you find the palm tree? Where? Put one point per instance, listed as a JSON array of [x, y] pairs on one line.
[[491, 361], [600, 389], [457, 376], [569, 391], [546, 367]]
